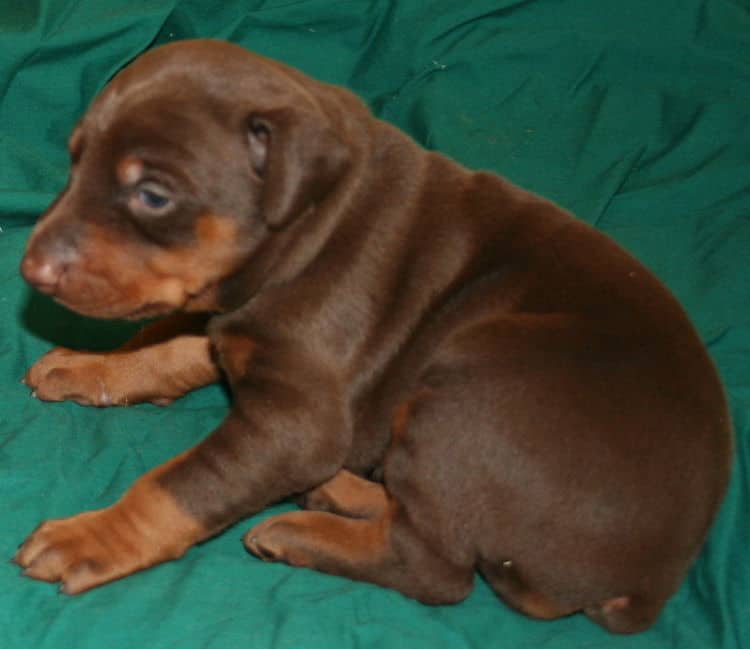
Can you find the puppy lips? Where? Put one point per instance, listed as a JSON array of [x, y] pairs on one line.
[[116, 311], [105, 282], [93, 296]]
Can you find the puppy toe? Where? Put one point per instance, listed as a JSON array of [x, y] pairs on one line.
[[53, 386], [33, 546], [80, 552], [260, 542], [41, 557], [49, 565], [83, 576], [66, 375], [256, 546], [271, 539]]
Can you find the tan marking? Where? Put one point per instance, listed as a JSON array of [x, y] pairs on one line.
[[401, 419], [235, 353], [216, 253], [129, 170], [508, 584], [144, 528], [539, 606], [350, 495], [402, 414], [212, 229], [164, 523], [615, 604], [108, 282], [116, 277], [159, 373], [321, 540]]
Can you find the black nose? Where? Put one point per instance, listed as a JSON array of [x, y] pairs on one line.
[[44, 265]]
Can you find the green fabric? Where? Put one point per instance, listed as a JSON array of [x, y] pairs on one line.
[[636, 115]]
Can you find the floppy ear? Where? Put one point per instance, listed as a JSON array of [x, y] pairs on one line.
[[299, 158]]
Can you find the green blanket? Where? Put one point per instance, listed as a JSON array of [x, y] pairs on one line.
[[634, 114]]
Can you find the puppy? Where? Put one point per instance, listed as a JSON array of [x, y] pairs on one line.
[[451, 374]]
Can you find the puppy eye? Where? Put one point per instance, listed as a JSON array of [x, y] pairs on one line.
[[151, 199]]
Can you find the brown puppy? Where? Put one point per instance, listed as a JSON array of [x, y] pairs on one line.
[[453, 374]]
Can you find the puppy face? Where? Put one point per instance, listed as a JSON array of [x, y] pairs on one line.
[[180, 171]]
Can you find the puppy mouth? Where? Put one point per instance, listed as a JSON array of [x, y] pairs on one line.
[[100, 296], [151, 310], [116, 310]]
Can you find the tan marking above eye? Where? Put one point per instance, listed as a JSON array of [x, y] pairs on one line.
[[129, 170]]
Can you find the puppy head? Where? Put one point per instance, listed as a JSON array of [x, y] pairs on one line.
[[183, 170]]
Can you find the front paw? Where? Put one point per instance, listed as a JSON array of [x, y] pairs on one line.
[[67, 375], [95, 379], [81, 552]]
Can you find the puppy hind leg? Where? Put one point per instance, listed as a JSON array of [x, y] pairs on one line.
[[383, 550], [349, 495]]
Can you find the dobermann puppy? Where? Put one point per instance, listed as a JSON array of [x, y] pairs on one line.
[[450, 374]]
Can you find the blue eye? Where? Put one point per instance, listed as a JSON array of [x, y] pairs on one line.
[[152, 199]]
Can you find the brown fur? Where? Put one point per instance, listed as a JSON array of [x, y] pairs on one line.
[[528, 399]]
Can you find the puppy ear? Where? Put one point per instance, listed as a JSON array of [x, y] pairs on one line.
[[299, 157]]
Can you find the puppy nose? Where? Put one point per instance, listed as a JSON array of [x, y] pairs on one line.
[[44, 268]]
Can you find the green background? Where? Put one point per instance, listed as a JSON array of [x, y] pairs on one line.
[[634, 114]]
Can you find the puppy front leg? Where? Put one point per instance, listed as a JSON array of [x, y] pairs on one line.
[[146, 526], [280, 441], [164, 361]]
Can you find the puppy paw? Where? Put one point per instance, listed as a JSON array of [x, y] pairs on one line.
[[349, 547], [275, 539], [67, 375], [91, 379], [80, 552]]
